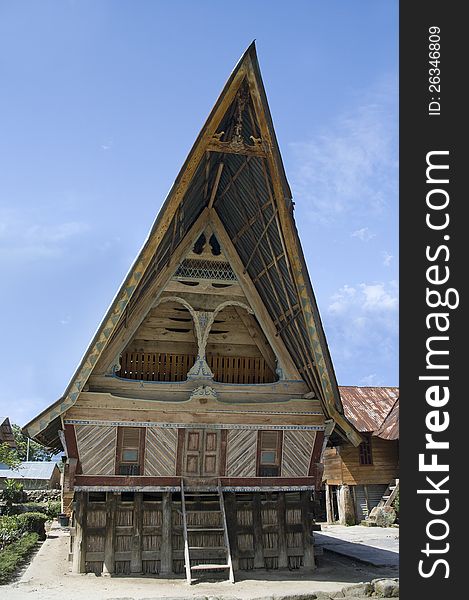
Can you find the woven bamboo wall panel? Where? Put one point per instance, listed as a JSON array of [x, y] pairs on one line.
[[96, 449], [297, 450], [241, 453], [160, 451]]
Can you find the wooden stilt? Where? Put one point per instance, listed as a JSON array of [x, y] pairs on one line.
[[111, 505], [329, 513], [232, 524], [282, 531], [257, 532], [166, 566], [136, 552], [308, 556], [79, 546]]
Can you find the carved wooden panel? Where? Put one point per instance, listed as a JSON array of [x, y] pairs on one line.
[[241, 453], [160, 451], [96, 449], [297, 450]]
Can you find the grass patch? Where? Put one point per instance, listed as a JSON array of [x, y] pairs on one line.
[[14, 555]]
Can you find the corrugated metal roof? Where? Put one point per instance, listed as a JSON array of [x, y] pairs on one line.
[[368, 407], [389, 429], [30, 470]]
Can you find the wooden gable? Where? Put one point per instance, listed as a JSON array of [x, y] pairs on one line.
[[232, 185]]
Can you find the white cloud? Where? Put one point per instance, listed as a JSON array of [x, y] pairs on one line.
[[107, 145], [352, 166], [362, 325], [370, 380], [377, 298], [364, 234], [22, 240], [387, 258]]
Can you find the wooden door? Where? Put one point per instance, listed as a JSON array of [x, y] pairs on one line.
[[201, 453]]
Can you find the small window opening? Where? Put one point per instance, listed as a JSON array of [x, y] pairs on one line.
[[269, 449], [199, 245], [130, 447], [364, 449], [214, 245]]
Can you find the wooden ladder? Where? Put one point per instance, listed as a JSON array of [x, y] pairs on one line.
[[390, 494], [226, 565]]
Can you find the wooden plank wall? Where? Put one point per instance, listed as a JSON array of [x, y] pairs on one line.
[[343, 466], [97, 448], [160, 451], [297, 450]]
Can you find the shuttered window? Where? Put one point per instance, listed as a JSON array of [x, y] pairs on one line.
[[130, 449], [366, 458], [269, 452]]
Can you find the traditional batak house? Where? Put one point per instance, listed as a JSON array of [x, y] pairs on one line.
[[6, 433], [358, 479], [195, 423]]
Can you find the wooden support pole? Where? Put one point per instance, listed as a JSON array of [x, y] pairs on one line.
[[111, 507], [79, 542], [137, 534], [166, 566], [308, 547], [282, 531], [232, 526], [329, 513], [258, 538]]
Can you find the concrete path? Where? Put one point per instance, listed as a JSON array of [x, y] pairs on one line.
[[378, 546], [48, 578]]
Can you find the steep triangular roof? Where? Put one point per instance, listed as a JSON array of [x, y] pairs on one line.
[[233, 179]]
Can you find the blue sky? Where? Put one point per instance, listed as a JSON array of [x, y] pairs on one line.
[[101, 101]]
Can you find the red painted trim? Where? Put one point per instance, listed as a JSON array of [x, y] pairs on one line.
[[223, 447], [71, 441], [180, 451], [134, 481], [72, 446], [123, 481], [316, 453], [266, 481]]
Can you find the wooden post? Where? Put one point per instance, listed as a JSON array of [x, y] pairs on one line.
[[111, 507], [232, 525], [282, 531], [258, 539], [166, 553], [79, 542], [329, 514], [136, 553], [308, 548]]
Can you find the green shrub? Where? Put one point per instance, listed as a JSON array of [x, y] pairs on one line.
[[54, 508], [13, 492], [34, 507], [15, 554], [10, 530], [33, 522]]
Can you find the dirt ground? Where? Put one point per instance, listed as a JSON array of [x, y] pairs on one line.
[[48, 578]]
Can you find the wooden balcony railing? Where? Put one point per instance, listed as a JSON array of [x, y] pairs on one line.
[[144, 366]]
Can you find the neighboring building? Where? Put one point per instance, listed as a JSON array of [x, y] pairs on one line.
[[357, 479], [6, 433], [195, 423], [33, 475]]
